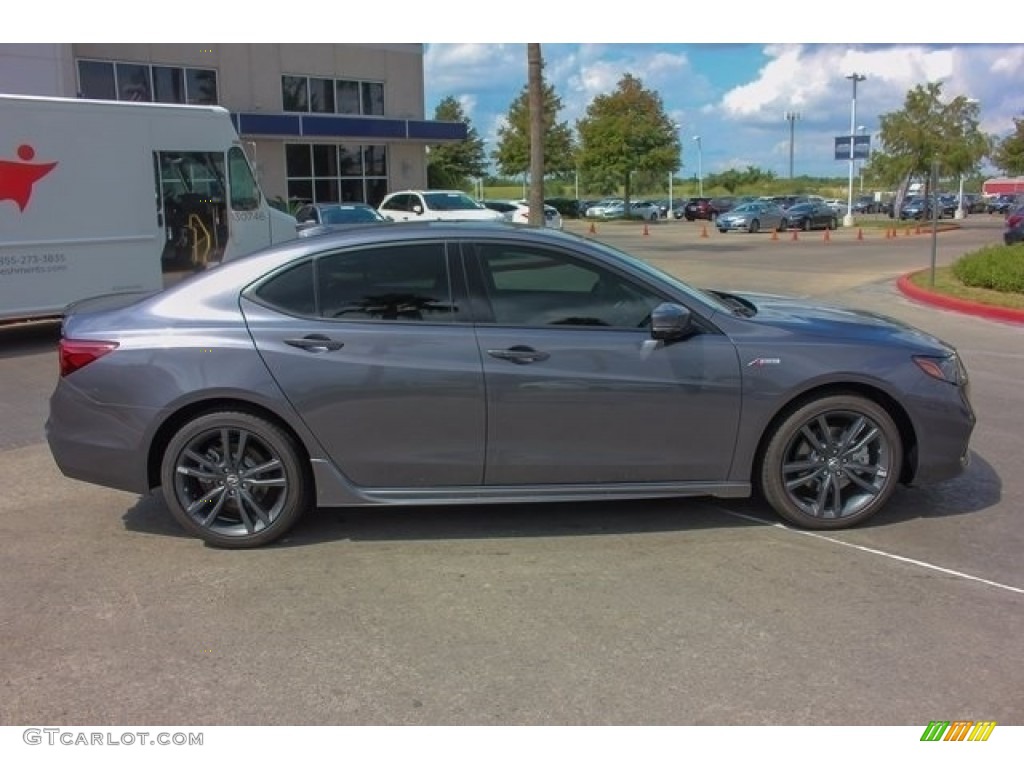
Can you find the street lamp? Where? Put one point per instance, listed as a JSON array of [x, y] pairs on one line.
[[860, 168], [856, 78], [792, 117], [700, 169]]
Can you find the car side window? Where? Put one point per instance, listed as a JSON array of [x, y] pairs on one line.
[[530, 286], [290, 291], [397, 203], [405, 283]]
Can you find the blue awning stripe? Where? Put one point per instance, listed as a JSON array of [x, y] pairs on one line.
[[347, 127]]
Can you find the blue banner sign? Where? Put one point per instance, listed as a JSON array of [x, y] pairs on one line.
[[861, 147]]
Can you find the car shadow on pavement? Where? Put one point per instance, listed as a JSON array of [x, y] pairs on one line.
[[978, 488], [478, 521]]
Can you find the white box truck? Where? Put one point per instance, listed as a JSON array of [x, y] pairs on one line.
[[100, 197]]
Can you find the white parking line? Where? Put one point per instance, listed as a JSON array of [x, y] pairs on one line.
[[889, 555]]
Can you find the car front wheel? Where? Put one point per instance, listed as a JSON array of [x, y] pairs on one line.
[[234, 479], [832, 462]]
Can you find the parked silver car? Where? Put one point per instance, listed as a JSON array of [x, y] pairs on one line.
[[752, 217], [464, 363]]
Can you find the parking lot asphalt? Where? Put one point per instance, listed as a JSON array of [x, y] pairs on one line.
[[684, 612]]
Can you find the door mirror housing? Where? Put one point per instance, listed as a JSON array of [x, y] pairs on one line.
[[417, 209], [670, 322]]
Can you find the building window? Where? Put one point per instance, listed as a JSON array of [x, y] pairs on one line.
[[294, 94], [343, 97], [96, 80], [127, 81], [168, 85], [321, 95], [335, 173]]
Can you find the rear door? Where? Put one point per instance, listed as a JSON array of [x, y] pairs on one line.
[[370, 347]]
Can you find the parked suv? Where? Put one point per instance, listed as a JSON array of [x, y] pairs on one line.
[[444, 204], [696, 208]]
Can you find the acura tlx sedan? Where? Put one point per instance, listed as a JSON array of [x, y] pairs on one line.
[[464, 363]]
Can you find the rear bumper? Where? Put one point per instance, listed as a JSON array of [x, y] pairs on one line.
[[98, 443]]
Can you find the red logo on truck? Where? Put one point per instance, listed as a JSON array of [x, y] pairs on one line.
[[17, 178]]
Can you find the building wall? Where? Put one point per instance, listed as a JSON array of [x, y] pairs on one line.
[[37, 69]]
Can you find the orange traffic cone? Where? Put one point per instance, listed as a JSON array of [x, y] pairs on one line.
[[646, 233], [860, 233], [907, 232], [827, 238], [794, 237], [775, 234], [593, 229], [918, 230], [704, 231]]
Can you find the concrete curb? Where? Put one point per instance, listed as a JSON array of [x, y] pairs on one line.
[[1006, 314]]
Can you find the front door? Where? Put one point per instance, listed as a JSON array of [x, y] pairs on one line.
[[578, 392]]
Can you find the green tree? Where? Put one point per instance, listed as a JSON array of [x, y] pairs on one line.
[[513, 153], [453, 165], [625, 132], [1008, 154], [929, 130]]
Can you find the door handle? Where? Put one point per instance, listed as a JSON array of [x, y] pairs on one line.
[[520, 355], [315, 342]]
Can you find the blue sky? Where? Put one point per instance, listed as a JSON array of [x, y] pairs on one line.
[[735, 95]]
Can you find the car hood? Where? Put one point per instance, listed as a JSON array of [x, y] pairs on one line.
[[834, 322]]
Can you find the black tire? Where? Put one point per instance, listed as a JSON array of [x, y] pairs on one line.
[[833, 462], [783, 225], [723, 231], [755, 225], [235, 480], [807, 224]]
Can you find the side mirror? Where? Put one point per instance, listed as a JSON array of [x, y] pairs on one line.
[[418, 210], [670, 322]]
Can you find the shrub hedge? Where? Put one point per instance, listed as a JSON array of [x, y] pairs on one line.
[[998, 267]]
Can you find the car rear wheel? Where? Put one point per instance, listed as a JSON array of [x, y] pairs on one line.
[[234, 479], [832, 463]]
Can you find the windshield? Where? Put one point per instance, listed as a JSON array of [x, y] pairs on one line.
[[450, 201], [347, 215], [746, 208]]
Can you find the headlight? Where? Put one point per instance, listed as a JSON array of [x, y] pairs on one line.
[[949, 368]]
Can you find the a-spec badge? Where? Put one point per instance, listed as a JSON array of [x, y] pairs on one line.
[[760, 362]]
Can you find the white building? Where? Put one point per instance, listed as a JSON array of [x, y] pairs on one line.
[[322, 122]]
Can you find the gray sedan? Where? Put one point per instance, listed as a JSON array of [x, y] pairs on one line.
[[465, 363], [752, 217]]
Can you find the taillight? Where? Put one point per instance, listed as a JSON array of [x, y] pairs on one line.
[[75, 354], [1014, 220]]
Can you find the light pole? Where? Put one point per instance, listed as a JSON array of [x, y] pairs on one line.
[[792, 117], [856, 78], [860, 168], [700, 169]]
